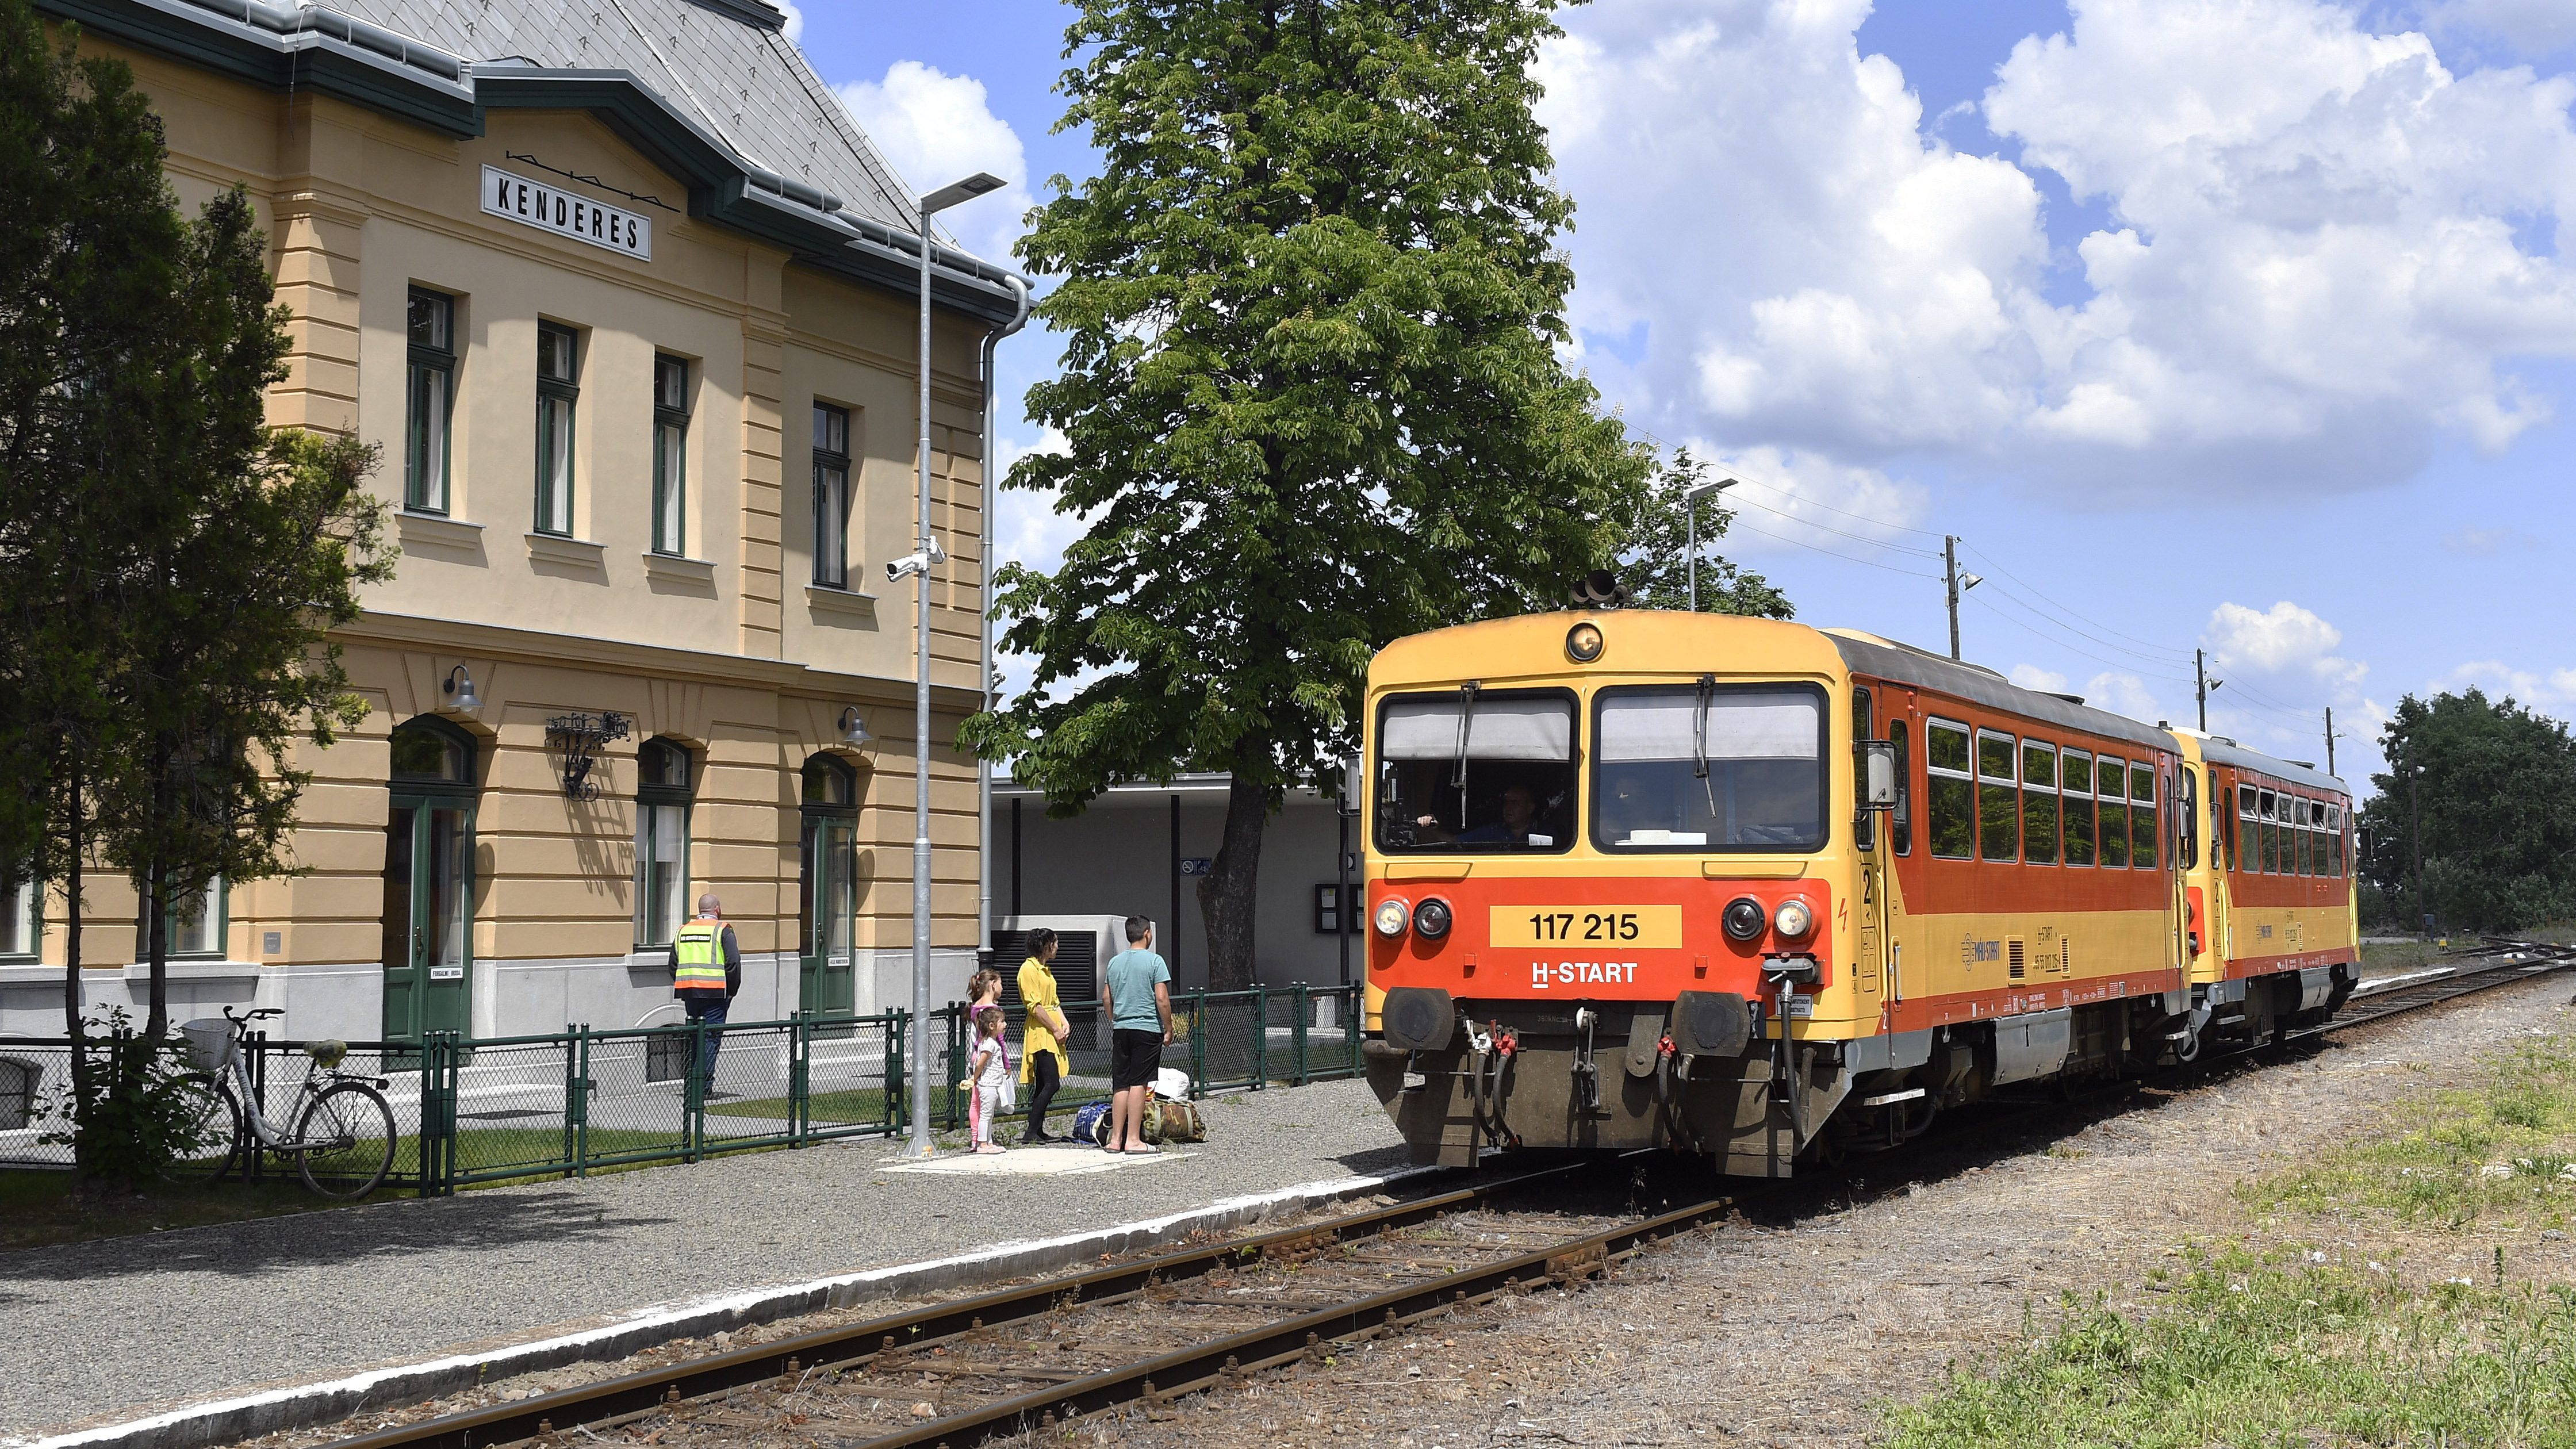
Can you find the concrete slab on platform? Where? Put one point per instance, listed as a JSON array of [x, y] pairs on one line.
[[1060, 1161], [203, 1335]]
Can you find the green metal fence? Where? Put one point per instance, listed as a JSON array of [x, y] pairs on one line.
[[581, 1100]]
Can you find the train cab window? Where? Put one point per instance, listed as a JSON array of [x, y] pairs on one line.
[[1952, 788], [2110, 785], [2145, 821], [1998, 798], [2268, 805], [2039, 802], [2188, 782], [1463, 771], [1715, 767], [2075, 804]]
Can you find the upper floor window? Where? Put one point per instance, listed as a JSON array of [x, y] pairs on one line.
[[432, 405], [662, 797], [831, 496], [670, 455], [558, 390]]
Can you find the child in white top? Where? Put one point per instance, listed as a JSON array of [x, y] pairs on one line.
[[988, 1075]]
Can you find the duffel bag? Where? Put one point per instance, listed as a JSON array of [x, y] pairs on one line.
[[1168, 1120]]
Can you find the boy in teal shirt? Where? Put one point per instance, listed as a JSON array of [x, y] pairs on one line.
[[1136, 990]]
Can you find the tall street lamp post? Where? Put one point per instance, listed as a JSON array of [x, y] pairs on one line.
[[925, 554], [1690, 528], [2415, 828]]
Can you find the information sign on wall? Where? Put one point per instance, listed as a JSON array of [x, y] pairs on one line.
[[551, 208]]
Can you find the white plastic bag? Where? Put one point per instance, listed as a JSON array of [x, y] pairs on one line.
[[1172, 1082]]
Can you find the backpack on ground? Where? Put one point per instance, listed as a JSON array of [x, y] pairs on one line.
[[1091, 1123]]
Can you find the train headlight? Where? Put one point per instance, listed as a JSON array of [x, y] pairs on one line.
[[1796, 917], [1431, 918], [1744, 919], [1392, 914], [1583, 643]]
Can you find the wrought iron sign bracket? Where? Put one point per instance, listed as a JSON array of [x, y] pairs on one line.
[[579, 737]]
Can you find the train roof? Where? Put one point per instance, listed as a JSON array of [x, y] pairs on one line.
[[1887, 659], [2219, 751]]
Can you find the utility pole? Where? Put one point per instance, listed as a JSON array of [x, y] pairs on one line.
[[2330, 739], [2203, 685], [1950, 568], [2415, 828]]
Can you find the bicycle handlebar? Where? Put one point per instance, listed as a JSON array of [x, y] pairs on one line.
[[255, 1014]]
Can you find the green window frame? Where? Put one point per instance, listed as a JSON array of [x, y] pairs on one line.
[[1998, 798], [664, 772], [671, 400], [831, 496], [429, 423], [2111, 811], [197, 924], [2039, 802], [2146, 822], [1950, 789], [22, 917], [558, 398]]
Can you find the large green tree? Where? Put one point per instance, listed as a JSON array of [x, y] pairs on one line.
[[2497, 799], [1311, 393]]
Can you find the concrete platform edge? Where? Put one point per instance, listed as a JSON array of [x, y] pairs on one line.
[[223, 1421]]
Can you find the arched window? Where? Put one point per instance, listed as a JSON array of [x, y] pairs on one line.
[[827, 892], [663, 781], [430, 752]]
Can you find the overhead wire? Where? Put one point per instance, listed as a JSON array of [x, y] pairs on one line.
[[1834, 553], [1839, 533]]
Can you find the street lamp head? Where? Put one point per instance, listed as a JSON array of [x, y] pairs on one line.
[[957, 191], [2216, 685], [1704, 489], [1970, 581]]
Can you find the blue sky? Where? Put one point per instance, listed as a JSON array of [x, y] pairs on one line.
[[2238, 325]]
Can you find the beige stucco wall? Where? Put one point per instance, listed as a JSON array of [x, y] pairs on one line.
[[730, 649]]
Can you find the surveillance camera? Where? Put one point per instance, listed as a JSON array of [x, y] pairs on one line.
[[897, 570]]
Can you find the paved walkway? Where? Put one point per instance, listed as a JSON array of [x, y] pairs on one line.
[[139, 1323]]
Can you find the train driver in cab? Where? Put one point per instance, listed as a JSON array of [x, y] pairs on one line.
[[1512, 831]]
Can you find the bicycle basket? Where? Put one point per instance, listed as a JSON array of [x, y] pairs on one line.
[[210, 1043], [327, 1054]]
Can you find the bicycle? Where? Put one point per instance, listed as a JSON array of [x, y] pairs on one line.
[[343, 1142]]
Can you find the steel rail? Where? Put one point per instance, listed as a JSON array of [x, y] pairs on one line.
[[640, 1393], [2533, 960]]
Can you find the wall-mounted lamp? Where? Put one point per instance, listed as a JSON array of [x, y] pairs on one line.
[[460, 690], [854, 733]]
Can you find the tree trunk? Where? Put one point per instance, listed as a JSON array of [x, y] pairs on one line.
[[72, 1002], [156, 1022], [1230, 892]]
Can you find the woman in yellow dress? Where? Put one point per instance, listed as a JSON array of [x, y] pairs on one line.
[[1043, 1062]]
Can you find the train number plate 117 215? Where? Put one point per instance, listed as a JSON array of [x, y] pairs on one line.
[[1647, 927]]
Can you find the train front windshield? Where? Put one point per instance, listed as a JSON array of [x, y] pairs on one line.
[[1710, 768], [1462, 772]]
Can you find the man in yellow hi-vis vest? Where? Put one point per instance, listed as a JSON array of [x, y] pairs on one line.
[[706, 971]]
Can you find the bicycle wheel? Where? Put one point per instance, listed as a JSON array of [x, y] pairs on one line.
[[211, 1131], [345, 1141]]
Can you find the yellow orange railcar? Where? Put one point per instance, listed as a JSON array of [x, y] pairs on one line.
[[1756, 889]]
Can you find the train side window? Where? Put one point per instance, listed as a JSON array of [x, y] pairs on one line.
[[2111, 785], [2268, 805], [2294, 840], [1902, 826], [2339, 841], [1998, 797], [2144, 818], [2312, 845], [2039, 802], [2075, 804], [1951, 788], [2250, 822]]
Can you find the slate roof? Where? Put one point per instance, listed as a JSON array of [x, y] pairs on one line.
[[738, 76]]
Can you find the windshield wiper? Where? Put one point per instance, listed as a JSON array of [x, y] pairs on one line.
[[1699, 741], [1466, 712]]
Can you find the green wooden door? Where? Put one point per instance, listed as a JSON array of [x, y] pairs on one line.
[[428, 916], [828, 897]]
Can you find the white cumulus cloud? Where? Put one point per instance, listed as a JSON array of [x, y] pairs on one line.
[[2314, 262], [935, 128], [2284, 640], [1790, 495], [2031, 676]]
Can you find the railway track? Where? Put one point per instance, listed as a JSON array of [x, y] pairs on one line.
[[1031, 1358]]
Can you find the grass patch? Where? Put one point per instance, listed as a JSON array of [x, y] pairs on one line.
[[2502, 1150], [2272, 1353]]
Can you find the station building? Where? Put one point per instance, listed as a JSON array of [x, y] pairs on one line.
[[630, 306]]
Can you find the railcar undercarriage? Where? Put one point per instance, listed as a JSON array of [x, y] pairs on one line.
[[1702, 1073]]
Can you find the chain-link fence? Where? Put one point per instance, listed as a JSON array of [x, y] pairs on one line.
[[580, 1100]]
